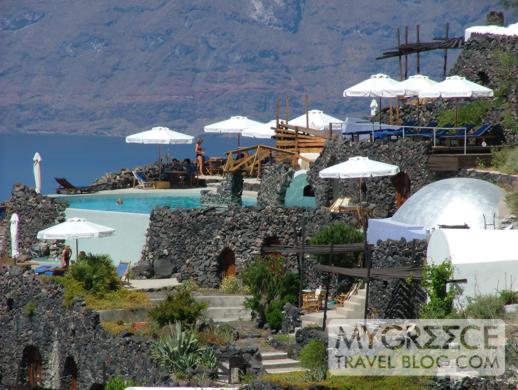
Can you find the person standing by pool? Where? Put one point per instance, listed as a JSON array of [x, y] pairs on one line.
[[200, 162], [66, 255]]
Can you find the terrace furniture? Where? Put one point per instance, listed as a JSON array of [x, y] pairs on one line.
[[339, 204], [310, 301], [141, 180], [340, 299], [123, 271], [214, 166], [68, 188]]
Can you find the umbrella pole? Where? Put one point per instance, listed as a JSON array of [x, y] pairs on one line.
[[380, 113], [238, 140], [77, 249], [456, 112]]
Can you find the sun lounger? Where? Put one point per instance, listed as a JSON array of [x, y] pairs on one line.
[[68, 188], [141, 180], [123, 271]]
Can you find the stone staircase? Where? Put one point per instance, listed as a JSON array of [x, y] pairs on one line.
[[277, 362], [352, 309]]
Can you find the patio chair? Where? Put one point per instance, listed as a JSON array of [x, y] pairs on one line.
[[68, 188], [310, 302], [141, 180], [123, 271]]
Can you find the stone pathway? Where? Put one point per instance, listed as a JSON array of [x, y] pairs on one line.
[[152, 284]]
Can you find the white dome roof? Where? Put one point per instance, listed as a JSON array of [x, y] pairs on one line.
[[455, 201]]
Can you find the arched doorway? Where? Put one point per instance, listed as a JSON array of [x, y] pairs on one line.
[[227, 263], [69, 378], [403, 187], [271, 241], [31, 367]]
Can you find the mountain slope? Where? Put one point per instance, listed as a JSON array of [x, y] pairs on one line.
[[120, 66]]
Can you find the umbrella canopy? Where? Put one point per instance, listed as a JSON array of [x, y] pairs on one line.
[[14, 235], [235, 125], [378, 85], [317, 120], [413, 85], [37, 172], [358, 167], [74, 228], [262, 131], [456, 87], [161, 136]]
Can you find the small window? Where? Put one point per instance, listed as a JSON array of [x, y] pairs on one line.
[[308, 191]]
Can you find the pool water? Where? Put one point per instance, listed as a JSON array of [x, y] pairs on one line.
[[136, 203]]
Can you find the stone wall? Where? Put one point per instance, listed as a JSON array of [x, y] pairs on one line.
[[191, 243], [32, 315], [36, 212], [503, 180], [228, 193], [275, 181], [411, 157], [390, 254]]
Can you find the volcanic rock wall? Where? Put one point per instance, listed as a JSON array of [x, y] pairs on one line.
[[36, 212], [274, 183], [411, 157], [385, 295], [198, 243], [33, 321]]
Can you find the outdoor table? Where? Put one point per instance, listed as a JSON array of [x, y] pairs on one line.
[[177, 177]]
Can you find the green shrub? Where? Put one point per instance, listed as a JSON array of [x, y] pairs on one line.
[[271, 287], [314, 357], [181, 355], [96, 273], [512, 201], [506, 160], [179, 306], [472, 113], [508, 297], [118, 383], [485, 307], [337, 233], [29, 309], [440, 299]]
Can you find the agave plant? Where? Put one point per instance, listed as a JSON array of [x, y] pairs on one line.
[[181, 354]]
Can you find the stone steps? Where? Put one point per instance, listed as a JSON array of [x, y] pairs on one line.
[[278, 362], [227, 314]]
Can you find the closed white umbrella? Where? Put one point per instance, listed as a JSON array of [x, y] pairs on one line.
[[318, 120], [14, 235], [456, 87], [233, 125], [360, 167], [75, 228], [37, 172]]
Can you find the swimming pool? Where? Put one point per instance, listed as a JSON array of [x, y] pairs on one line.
[[137, 203]]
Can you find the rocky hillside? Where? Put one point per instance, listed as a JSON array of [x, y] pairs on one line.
[[115, 67]]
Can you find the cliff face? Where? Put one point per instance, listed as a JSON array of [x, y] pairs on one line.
[[119, 66]]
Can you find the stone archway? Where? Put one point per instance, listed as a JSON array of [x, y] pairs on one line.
[[227, 263], [403, 187], [69, 377], [31, 367], [269, 241]]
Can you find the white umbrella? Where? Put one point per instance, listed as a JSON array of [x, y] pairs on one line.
[[261, 131], [233, 125], [75, 228], [415, 84], [360, 167], [160, 136], [37, 172], [456, 87], [14, 235], [377, 86], [318, 120]]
